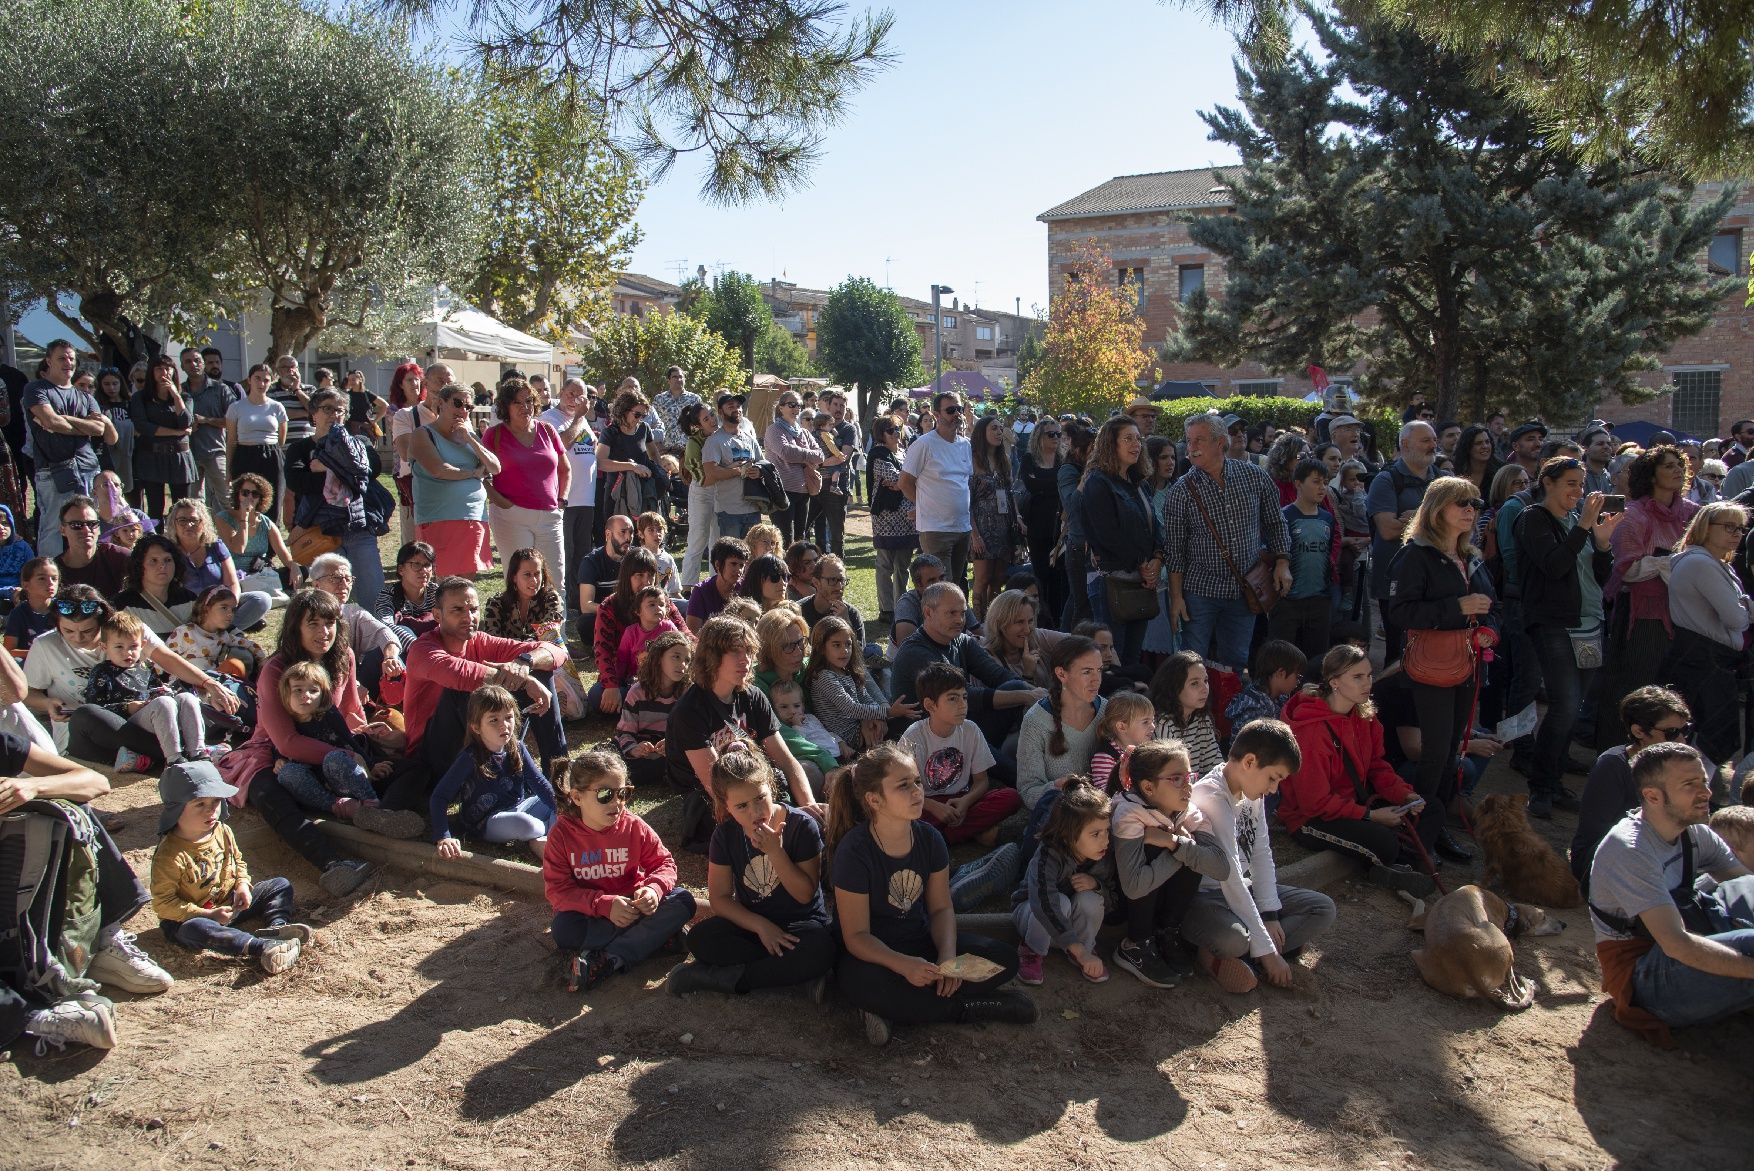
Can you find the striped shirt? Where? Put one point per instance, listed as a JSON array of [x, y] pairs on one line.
[[1245, 513], [645, 719]]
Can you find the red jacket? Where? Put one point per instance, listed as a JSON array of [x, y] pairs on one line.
[[1322, 789], [585, 869]]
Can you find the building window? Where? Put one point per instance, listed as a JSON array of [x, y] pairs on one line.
[[1694, 409], [1725, 257], [949, 323], [1259, 389], [1193, 279], [983, 333]]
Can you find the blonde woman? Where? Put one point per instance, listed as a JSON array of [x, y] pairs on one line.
[[783, 638], [1439, 584], [1711, 615], [1013, 637], [203, 561]]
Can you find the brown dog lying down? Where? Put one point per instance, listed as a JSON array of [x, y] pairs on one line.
[[1467, 950], [1518, 860]]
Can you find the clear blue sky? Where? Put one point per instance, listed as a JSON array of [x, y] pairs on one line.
[[993, 114]]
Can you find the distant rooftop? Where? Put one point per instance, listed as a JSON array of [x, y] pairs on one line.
[[651, 286], [1159, 191]]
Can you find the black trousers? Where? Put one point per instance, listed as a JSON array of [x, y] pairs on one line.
[[1703, 670], [1363, 838], [95, 733], [288, 818], [720, 943], [157, 497], [1393, 637], [1159, 914], [576, 533], [875, 989], [1443, 719], [1304, 623], [792, 522]]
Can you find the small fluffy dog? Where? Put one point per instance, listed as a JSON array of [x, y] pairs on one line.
[[1467, 950], [1518, 860]]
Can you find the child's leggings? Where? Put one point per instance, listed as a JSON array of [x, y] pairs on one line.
[[627, 946], [719, 943], [1082, 913], [1159, 913], [270, 901], [175, 720], [526, 821], [875, 989], [316, 790]]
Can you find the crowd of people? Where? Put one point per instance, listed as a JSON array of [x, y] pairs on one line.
[[1106, 663]]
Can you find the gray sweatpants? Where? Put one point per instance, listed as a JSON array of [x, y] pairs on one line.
[[1210, 923], [176, 720], [1082, 914]]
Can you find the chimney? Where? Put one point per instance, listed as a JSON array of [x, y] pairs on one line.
[[1019, 310], [956, 304]]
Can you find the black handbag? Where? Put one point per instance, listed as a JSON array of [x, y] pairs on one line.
[[1129, 599]]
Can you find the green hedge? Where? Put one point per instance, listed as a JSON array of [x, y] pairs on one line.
[[1285, 412]]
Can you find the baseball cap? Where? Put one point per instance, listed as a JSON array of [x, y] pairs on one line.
[[1345, 421], [731, 396]]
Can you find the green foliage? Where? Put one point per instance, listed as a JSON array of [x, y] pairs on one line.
[[865, 338], [1389, 208], [1091, 354], [559, 203], [1029, 353], [646, 346], [737, 312], [1282, 412], [778, 352]]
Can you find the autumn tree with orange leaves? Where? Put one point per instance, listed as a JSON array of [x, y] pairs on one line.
[[1093, 351]]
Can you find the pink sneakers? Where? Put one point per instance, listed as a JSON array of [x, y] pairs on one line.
[[1028, 966]]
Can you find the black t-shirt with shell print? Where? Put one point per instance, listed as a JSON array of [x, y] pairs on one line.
[[753, 878], [896, 887]]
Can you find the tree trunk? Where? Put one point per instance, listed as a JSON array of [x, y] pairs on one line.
[[292, 327], [1446, 352], [749, 356]]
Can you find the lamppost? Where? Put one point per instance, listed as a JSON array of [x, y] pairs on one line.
[[938, 336]]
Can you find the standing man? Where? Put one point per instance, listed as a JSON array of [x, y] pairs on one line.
[[1598, 452], [1242, 503], [1741, 442], [1525, 447], [1238, 431], [728, 459], [208, 400], [1500, 440], [849, 437], [934, 475], [1347, 433], [571, 417], [63, 422], [1390, 503], [213, 365], [293, 394], [668, 404], [1449, 433]]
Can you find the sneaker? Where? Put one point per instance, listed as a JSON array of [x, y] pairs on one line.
[[1565, 799], [299, 931], [1028, 966], [876, 1029], [1541, 806], [129, 761], [84, 1020], [1232, 974], [1142, 960], [582, 971], [343, 877], [1402, 878], [1005, 1006], [391, 823], [1175, 955], [690, 977], [987, 877], [119, 963], [277, 955]]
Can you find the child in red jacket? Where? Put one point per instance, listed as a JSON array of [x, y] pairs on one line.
[[610, 880]]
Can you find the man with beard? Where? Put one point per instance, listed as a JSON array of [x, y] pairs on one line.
[[600, 570]]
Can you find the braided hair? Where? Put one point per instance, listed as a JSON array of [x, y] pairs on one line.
[[1066, 652]]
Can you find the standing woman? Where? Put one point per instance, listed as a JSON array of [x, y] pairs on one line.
[[1477, 460], [992, 510], [696, 421], [633, 481], [796, 456], [1119, 530], [1038, 496], [405, 407], [1282, 459], [255, 431], [164, 467], [571, 420], [118, 457], [1439, 586], [1711, 616], [828, 508], [1077, 441], [894, 535], [365, 410], [450, 499], [534, 477]]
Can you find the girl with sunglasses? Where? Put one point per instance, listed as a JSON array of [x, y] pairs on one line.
[[610, 879]]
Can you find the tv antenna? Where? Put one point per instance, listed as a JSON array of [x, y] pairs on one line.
[[681, 267], [887, 260]]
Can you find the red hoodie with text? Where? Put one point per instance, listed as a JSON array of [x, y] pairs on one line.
[[585, 869], [1322, 789]]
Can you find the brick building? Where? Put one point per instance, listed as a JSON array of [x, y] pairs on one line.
[[637, 295], [1140, 221]]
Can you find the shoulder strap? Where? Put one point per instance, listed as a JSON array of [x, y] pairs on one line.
[[1242, 583], [1359, 789]]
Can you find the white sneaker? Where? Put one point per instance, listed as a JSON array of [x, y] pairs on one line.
[[299, 931], [341, 878], [278, 955], [120, 963], [86, 1020]]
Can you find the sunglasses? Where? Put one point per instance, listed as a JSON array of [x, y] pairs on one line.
[[953, 410], [607, 795], [249, 494], [67, 608], [82, 524], [1476, 504], [1050, 434], [1684, 732]]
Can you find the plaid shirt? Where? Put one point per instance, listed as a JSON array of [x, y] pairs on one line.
[[1245, 508]]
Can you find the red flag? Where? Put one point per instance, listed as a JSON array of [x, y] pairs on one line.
[[1318, 377]]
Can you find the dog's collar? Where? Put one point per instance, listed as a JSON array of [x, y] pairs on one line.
[[1513, 922]]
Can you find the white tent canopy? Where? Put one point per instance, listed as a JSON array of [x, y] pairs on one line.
[[458, 325]]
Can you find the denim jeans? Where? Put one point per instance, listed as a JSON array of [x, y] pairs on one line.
[[1129, 636], [526, 821], [270, 902], [50, 501], [627, 946], [1224, 620], [737, 524], [361, 550], [317, 788], [1679, 995], [1565, 687]]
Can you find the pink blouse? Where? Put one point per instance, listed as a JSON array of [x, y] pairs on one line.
[[529, 477]]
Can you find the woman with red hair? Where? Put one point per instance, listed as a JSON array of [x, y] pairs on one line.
[[408, 413]]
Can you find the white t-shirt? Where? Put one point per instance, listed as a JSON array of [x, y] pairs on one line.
[[941, 467], [403, 422], [947, 764], [54, 666], [726, 450], [257, 424], [581, 491]]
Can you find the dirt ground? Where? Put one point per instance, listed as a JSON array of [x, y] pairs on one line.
[[424, 1031]]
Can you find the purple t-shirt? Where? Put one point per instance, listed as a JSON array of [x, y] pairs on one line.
[[705, 601]]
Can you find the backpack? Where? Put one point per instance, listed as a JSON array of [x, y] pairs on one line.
[[48, 886]]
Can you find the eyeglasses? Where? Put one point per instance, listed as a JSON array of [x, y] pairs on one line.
[[89, 525], [67, 607], [189, 522], [833, 581], [1738, 529], [792, 645], [607, 795], [336, 575], [1179, 780]]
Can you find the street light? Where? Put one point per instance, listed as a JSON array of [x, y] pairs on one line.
[[938, 336]]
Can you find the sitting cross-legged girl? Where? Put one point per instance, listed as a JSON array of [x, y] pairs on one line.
[[846, 698], [342, 785], [770, 927], [501, 793], [208, 640], [1069, 887], [645, 709]]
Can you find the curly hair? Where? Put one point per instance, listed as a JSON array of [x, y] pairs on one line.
[[260, 484], [719, 636], [628, 400], [503, 396], [1641, 480]]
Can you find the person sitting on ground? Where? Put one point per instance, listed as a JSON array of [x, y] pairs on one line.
[[342, 785], [644, 721], [407, 600], [500, 793], [1278, 673], [1345, 795], [211, 640], [609, 879], [729, 556], [1116, 675], [764, 541], [1651, 715], [998, 705], [620, 610], [1014, 637], [765, 582], [1249, 914], [1127, 721], [529, 608], [1735, 825], [844, 692], [830, 598], [803, 733], [203, 560], [1670, 954], [15, 551], [255, 541], [891, 876], [378, 651], [1069, 888], [600, 571], [801, 560], [785, 647], [1181, 691], [770, 926], [201, 886], [1060, 733], [125, 685], [84, 561], [924, 571], [34, 614], [953, 759], [654, 608]]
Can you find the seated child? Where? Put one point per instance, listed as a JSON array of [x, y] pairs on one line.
[[746, 610], [645, 709], [124, 684], [1161, 850], [1735, 825], [952, 757], [1248, 914], [1278, 671], [341, 787], [503, 796], [201, 888], [653, 607], [1181, 691], [763, 541], [803, 732], [650, 529], [892, 902], [770, 926], [843, 689], [1125, 722], [124, 528], [406, 602], [1069, 888], [33, 616], [610, 880], [208, 640], [15, 553]]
